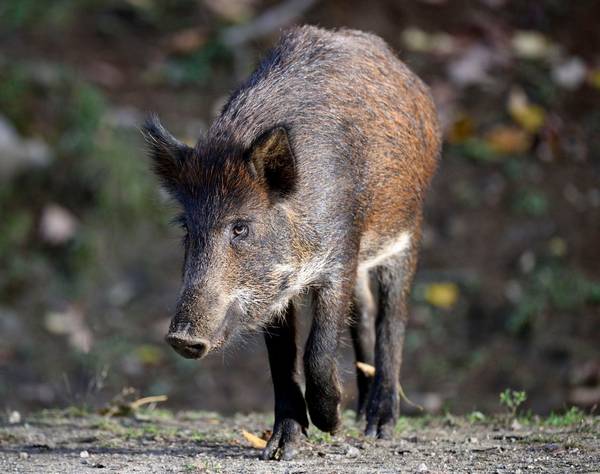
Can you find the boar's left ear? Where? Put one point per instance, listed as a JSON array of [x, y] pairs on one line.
[[271, 159], [168, 154]]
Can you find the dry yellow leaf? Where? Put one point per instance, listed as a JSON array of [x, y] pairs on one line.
[[442, 295], [507, 140], [147, 400], [127, 409], [366, 369], [254, 440], [530, 117]]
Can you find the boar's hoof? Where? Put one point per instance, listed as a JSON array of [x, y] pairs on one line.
[[382, 412], [283, 444], [380, 430], [324, 408]]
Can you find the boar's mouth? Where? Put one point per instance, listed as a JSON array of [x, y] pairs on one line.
[[192, 346], [188, 347]]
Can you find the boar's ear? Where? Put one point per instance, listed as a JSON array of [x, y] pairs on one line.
[[271, 159], [168, 154]]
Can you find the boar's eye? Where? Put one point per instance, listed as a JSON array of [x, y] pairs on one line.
[[239, 231]]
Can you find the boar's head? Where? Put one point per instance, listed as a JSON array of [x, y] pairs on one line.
[[239, 233]]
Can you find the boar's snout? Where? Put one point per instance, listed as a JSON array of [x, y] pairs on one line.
[[187, 346]]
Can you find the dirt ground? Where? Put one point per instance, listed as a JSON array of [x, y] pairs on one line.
[[54, 442]]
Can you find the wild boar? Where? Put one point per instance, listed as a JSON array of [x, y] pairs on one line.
[[310, 182]]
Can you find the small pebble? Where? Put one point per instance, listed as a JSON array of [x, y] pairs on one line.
[[551, 447], [84, 454], [14, 417], [422, 467], [352, 452]]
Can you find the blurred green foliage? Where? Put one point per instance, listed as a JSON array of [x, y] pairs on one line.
[[570, 417], [531, 202], [198, 67], [27, 13], [551, 286], [97, 172]]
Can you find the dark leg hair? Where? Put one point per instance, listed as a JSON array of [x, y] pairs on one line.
[[395, 280], [362, 330], [323, 392], [290, 409]]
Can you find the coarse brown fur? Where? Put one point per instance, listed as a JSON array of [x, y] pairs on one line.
[[312, 179]]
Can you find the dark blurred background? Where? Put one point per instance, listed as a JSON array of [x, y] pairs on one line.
[[508, 291]]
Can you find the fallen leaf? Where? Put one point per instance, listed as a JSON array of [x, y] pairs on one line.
[[461, 129], [418, 40], [532, 45], [366, 369], [442, 295], [254, 440], [530, 117], [147, 400], [121, 408], [187, 41], [415, 39], [508, 140]]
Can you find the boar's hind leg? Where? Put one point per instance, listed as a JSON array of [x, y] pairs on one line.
[[290, 410], [362, 330], [323, 392], [394, 281]]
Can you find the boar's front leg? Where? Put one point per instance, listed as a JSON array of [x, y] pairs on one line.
[[290, 410], [323, 392]]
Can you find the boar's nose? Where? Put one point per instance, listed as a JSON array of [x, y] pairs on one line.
[[188, 347]]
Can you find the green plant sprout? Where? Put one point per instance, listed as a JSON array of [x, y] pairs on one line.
[[512, 400]]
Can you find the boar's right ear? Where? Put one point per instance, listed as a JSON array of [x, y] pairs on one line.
[[168, 154], [272, 161]]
